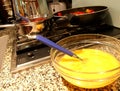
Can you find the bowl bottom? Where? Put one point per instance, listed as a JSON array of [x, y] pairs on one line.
[[90, 84]]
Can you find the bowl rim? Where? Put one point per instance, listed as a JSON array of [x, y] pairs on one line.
[[107, 71]]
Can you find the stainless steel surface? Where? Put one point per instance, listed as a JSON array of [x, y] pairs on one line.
[[31, 52], [31, 8], [7, 25]]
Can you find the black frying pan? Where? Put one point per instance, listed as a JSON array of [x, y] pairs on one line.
[[100, 13]]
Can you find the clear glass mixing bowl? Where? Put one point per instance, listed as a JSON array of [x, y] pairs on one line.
[[92, 79]]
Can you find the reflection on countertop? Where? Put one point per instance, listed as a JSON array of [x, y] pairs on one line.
[[39, 77]]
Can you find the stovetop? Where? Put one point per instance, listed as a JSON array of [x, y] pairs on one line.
[[39, 51]]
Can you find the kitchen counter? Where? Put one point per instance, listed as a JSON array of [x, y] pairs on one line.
[[39, 77]]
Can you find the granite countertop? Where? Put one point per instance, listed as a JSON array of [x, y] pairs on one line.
[[40, 77]]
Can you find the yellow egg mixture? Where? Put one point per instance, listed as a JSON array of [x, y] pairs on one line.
[[93, 61]]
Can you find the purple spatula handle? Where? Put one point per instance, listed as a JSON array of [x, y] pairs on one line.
[[53, 45]]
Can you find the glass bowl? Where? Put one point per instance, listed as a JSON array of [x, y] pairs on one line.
[[96, 69]]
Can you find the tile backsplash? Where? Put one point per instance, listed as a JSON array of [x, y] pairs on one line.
[[113, 5]]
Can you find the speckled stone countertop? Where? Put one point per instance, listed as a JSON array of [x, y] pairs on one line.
[[40, 77]]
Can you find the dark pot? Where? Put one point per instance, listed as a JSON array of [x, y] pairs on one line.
[[98, 16]]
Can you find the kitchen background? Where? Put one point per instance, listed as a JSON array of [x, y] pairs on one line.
[[113, 5]]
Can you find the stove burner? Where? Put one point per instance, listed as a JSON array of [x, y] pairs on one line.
[[32, 50]]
